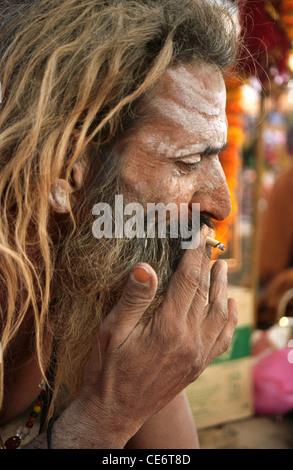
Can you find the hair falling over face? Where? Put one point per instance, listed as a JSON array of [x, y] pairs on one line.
[[78, 68]]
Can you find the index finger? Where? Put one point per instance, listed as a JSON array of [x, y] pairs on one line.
[[218, 293]]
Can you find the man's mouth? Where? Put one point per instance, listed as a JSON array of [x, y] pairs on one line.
[[205, 217]]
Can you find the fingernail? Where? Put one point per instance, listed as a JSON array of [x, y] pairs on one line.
[[206, 230], [226, 266], [212, 233], [141, 275]]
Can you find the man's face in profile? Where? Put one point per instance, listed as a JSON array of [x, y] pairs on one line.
[[169, 155]]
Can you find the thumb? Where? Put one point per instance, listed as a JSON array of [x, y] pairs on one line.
[[136, 297]]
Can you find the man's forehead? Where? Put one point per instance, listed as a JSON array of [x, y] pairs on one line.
[[187, 101], [194, 85], [185, 112]]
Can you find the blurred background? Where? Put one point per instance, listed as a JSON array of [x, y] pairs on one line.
[[245, 398]]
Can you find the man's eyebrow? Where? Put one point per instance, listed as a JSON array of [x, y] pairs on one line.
[[200, 149], [214, 150]]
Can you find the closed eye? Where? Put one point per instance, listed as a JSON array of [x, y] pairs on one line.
[[187, 167]]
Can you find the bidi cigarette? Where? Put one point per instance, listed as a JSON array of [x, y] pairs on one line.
[[215, 244]]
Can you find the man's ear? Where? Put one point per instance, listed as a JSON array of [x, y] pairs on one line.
[[64, 195]]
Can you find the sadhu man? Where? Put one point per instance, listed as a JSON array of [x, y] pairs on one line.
[[101, 99]]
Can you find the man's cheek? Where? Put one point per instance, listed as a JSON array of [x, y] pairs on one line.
[[141, 187], [133, 181]]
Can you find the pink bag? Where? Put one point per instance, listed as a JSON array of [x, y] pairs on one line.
[[273, 382]]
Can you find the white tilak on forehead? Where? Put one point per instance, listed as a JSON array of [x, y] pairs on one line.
[[193, 91], [191, 119]]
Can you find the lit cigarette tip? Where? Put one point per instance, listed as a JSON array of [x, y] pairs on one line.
[[215, 244], [221, 247]]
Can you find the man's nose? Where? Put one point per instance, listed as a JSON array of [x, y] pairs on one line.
[[214, 195]]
